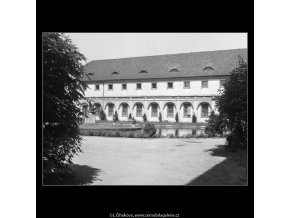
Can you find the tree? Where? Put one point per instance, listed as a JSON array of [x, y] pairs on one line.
[[62, 90], [176, 117], [130, 116], [232, 106], [144, 118]]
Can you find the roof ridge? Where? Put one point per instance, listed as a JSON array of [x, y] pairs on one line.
[[166, 55]]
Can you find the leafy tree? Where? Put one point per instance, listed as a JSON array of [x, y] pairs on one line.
[[62, 90], [176, 117], [144, 118], [232, 106]]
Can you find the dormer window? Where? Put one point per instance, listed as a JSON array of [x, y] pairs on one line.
[[143, 71], [208, 68], [173, 70], [115, 73]]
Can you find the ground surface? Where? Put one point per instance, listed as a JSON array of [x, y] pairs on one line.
[[161, 161]]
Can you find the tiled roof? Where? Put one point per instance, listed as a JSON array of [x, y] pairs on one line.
[[181, 65]]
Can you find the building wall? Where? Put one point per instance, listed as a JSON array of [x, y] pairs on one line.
[[195, 96], [162, 89]]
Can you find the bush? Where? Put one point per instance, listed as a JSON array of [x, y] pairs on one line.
[[149, 129], [193, 118], [102, 115], [115, 117], [130, 116], [144, 118], [216, 125], [176, 117], [160, 117]]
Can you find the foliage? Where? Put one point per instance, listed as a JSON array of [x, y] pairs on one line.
[[130, 116], [62, 90], [232, 106], [115, 117], [160, 117], [144, 118], [149, 129], [216, 125], [193, 118], [102, 115], [176, 117]]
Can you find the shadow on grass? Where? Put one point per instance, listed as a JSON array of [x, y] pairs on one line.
[[232, 171], [75, 175]]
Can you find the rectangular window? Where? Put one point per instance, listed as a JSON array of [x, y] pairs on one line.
[[111, 110], [170, 110], [139, 111], [154, 86], [186, 85], [222, 82], [124, 110], [110, 87], [97, 87], [204, 111], [124, 86], [170, 85], [138, 86], [153, 110], [186, 111], [204, 84]]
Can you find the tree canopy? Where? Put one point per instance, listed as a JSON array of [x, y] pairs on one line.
[[232, 107], [62, 90]]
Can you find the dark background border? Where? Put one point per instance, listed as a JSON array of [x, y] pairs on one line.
[[188, 201]]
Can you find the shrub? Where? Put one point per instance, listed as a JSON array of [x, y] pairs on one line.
[[176, 117], [130, 116], [131, 135], [102, 115], [149, 129], [171, 136], [160, 117], [115, 117], [144, 118], [193, 118], [216, 125]]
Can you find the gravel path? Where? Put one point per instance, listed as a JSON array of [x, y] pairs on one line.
[[132, 161]]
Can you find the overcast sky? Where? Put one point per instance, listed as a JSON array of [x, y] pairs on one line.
[[98, 46]]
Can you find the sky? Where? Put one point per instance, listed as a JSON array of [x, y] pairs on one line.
[[98, 46]]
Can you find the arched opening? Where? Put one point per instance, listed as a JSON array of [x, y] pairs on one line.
[[187, 109], [170, 109], [139, 109], [154, 109], [111, 108], [125, 108], [205, 109], [97, 109]]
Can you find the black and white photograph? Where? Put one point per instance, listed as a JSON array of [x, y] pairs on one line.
[[145, 109]]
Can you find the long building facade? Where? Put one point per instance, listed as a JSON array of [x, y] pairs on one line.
[[165, 85]]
